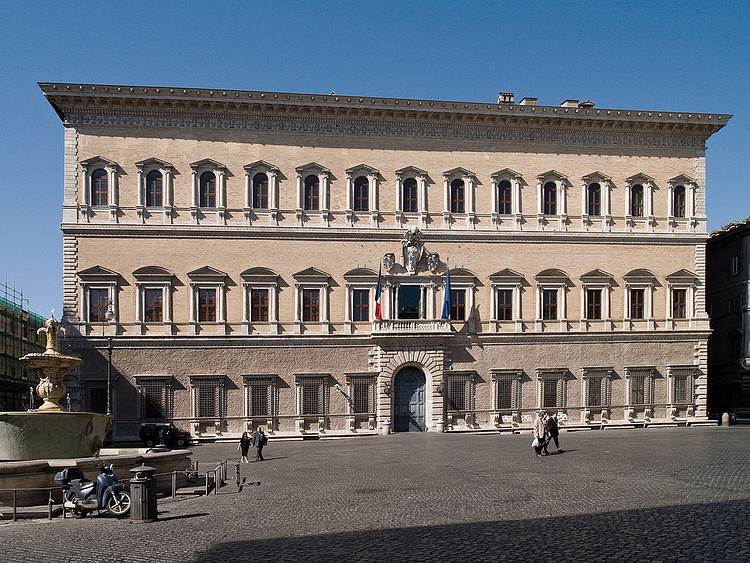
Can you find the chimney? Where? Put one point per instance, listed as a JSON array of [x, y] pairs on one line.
[[569, 104], [505, 98], [586, 104], [528, 101]]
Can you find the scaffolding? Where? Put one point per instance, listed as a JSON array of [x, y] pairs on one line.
[[18, 337]]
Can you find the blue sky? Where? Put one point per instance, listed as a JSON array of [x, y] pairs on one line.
[[678, 56]]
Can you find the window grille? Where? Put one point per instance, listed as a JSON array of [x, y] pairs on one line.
[[640, 386], [363, 394], [156, 398], [460, 392], [683, 385], [552, 389], [598, 392], [260, 396], [208, 397], [507, 389], [313, 396]]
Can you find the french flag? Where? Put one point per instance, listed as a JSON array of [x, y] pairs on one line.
[[378, 314]]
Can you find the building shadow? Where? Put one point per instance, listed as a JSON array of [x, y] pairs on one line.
[[712, 531]]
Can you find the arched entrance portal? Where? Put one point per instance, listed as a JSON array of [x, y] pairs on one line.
[[409, 401]]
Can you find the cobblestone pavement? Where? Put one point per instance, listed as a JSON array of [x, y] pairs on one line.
[[671, 494]]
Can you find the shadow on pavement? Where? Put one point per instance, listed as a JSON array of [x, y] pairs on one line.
[[689, 532], [182, 517]]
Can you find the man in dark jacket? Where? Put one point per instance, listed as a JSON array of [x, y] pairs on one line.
[[554, 430], [259, 440]]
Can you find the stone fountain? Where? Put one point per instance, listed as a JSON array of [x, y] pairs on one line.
[[50, 432]]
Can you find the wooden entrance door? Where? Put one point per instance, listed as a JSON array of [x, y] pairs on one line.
[[409, 403]]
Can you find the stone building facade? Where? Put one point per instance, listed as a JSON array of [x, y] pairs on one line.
[[235, 247], [728, 281]]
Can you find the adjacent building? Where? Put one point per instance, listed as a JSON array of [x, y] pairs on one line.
[[18, 337], [250, 258], [728, 281]]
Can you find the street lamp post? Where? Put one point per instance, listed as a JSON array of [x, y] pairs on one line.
[[110, 315]]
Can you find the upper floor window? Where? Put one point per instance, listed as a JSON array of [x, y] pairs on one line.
[[458, 203], [504, 304], [593, 304], [259, 305], [312, 193], [207, 305], [260, 191], [679, 303], [99, 187], [636, 200], [637, 303], [410, 195], [504, 197], [310, 305], [360, 305], [154, 189], [678, 201], [361, 194], [594, 200], [98, 304], [458, 305], [208, 189], [550, 199], [153, 305], [734, 264], [549, 304]]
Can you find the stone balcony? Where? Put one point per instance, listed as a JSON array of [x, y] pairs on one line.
[[420, 327]]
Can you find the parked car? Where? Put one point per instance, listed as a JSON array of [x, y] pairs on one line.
[[739, 416], [166, 433]]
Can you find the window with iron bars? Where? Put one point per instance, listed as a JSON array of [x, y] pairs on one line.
[[507, 389], [598, 387], [313, 396], [683, 389], [96, 396], [461, 392], [260, 396], [208, 397], [362, 392], [640, 386], [156, 398], [553, 389]]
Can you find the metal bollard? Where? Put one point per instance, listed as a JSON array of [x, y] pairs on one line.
[[174, 484], [143, 494]]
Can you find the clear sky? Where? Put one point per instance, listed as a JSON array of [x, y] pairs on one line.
[[666, 55]]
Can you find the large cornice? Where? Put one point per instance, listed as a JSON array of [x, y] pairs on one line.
[[110, 105]]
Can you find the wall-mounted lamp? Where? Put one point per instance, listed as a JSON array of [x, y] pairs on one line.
[[440, 388], [387, 388]]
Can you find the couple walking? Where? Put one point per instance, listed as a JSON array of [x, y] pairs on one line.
[[258, 440], [545, 429]]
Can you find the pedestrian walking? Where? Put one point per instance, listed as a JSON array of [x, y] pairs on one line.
[[554, 431], [538, 432], [244, 445], [259, 440]]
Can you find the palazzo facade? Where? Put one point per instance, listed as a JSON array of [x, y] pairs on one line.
[[225, 253]]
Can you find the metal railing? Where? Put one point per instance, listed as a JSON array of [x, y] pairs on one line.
[[50, 501]]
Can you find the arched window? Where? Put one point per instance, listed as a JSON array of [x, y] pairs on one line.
[[312, 193], [550, 198], [154, 189], [208, 190], [99, 188], [410, 195], [636, 201], [361, 194], [678, 201], [504, 198], [457, 196], [594, 200], [260, 191]]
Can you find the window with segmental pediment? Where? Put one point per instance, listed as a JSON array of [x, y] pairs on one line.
[[311, 295], [411, 195], [98, 299], [639, 201], [207, 302], [209, 190], [154, 286], [260, 300], [99, 188], [552, 198]]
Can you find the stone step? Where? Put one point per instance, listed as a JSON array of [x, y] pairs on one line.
[[26, 512]]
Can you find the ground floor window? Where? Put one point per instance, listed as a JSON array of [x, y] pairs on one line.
[[507, 392], [461, 392], [682, 383], [155, 397], [208, 397], [260, 396], [312, 395], [96, 396], [640, 385], [597, 386], [362, 393], [552, 388]]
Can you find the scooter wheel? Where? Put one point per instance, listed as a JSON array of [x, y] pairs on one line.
[[78, 512], [119, 503]]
